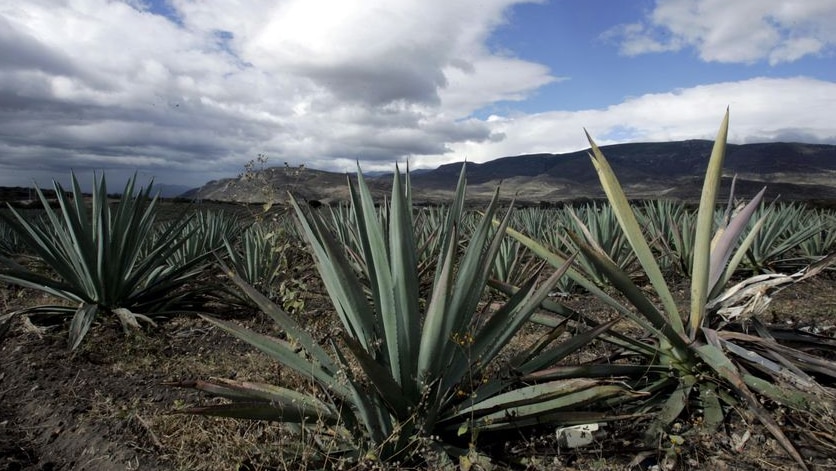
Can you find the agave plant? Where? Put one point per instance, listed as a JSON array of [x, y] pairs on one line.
[[342, 224], [205, 233], [691, 358], [428, 224], [9, 240], [540, 223], [263, 259], [824, 242], [786, 227], [513, 264], [408, 370], [671, 226], [99, 258], [599, 226]]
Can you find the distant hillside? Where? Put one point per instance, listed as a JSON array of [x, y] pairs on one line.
[[274, 183], [647, 170], [170, 191]]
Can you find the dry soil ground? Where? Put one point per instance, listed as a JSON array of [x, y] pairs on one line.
[[108, 407]]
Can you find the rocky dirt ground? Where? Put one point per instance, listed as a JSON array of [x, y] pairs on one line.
[[110, 406]]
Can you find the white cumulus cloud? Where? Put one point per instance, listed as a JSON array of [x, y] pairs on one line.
[[762, 110], [733, 31]]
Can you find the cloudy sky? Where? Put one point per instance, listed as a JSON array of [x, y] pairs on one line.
[[188, 91]]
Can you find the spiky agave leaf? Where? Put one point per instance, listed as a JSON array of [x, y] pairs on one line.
[[536, 404], [260, 401]]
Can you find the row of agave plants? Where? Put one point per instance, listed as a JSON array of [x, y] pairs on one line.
[[419, 369], [790, 236]]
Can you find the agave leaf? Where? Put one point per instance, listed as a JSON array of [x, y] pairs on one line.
[[749, 297], [469, 285], [564, 313], [525, 367], [556, 261], [659, 323], [595, 371], [783, 373], [502, 325], [42, 283], [342, 285], [381, 379], [559, 417], [791, 396], [538, 403], [254, 391], [434, 333], [816, 267], [260, 411], [57, 251], [475, 268], [712, 408], [635, 235], [718, 362], [473, 362], [373, 415], [133, 271], [564, 349], [705, 223], [404, 269], [82, 320], [722, 250], [738, 256], [804, 340], [670, 410], [805, 361], [454, 218], [250, 393], [80, 236], [507, 321], [287, 323], [538, 346], [454, 300], [568, 314], [533, 394], [282, 352]]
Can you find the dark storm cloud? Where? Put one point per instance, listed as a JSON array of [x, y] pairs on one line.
[[389, 79], [19, 50]]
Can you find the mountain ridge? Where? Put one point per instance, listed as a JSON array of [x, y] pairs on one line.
[[673, 169]]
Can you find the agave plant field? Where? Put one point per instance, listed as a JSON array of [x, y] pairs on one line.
[[137, 333]]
